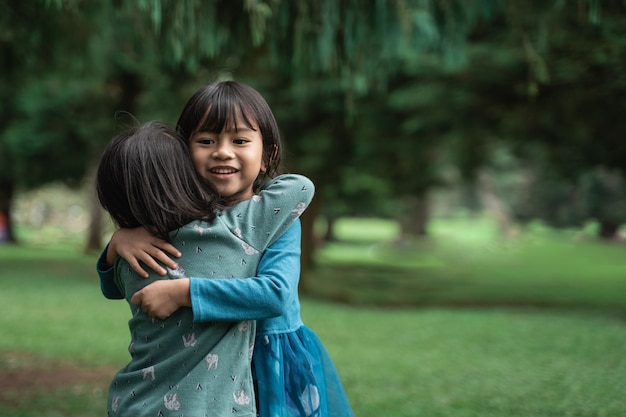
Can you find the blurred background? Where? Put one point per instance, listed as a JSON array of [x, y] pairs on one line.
[[466, 154], [403, 110]]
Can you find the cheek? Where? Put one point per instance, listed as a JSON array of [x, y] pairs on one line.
[[198, 164]]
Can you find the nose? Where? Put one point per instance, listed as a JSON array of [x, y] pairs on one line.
[[223, 151]]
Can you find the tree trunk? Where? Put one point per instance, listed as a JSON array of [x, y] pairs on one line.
[[94, 231], [414, 222], [130, 88], [608, 230], [494, 206], [7, 192], [308, 243], [329, 235]]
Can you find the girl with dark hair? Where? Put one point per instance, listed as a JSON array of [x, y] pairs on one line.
[[139, 163], [294, 374], [179, 366]]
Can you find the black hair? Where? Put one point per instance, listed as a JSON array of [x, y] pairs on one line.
[[146, 178], [217, 106]]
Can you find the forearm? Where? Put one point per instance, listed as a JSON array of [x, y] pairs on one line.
[[110, 255], [266, 295], [237, 299], [106, 272], [163, 297]]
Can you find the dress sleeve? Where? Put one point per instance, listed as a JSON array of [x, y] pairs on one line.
[[263, 296], [107, 278], [260, 221]]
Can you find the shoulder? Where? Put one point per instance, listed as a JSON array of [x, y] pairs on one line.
[[295, 184]]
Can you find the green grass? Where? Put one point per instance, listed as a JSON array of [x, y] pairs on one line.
[[425, 356], [465, 263], [504, 363], [53, 298]]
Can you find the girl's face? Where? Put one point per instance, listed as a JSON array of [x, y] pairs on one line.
[[230, 160]]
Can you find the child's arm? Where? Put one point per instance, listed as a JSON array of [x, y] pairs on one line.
[[138, 245], [135, 245], [264, 218], [106, 272], [263, 296], [258, 223]]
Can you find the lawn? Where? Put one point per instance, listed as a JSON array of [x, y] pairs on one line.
[[466, 263], [462, 325]]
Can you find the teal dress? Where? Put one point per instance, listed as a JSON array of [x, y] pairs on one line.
[[294, 374], [180, 366]]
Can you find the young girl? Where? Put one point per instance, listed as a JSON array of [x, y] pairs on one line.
[[294, 374], [178, 366]]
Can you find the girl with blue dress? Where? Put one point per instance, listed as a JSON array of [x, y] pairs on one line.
[[293, 373], [178, 366]]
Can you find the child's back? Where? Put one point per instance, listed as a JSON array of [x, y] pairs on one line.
[[180, 367]]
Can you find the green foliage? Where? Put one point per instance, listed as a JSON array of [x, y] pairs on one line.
[[604, 195], [396, 95], [49, 101], [53, 136], [536, 191]]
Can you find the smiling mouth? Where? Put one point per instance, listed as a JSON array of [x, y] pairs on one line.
[[223, 170]]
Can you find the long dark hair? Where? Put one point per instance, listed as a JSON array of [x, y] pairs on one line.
[[146, 178], [216, 106]]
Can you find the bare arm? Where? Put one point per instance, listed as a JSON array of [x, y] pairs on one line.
[[161, 298], [138, 245]]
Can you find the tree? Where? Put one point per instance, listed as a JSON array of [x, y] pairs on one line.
[[321, 52], [542, 78], [42, 135], [323, 65]]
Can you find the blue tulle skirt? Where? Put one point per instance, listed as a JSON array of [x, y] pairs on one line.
[[295, 377]]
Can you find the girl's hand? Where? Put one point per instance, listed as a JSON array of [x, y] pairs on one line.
[[138, 245], [161, 298]]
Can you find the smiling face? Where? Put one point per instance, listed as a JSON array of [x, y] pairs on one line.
[[231, 160], [234, 119]]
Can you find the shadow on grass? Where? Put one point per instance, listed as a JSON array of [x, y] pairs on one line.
[[399, 287], [30, 384]]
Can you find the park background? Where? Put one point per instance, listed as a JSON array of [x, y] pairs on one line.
[[464, 254]]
